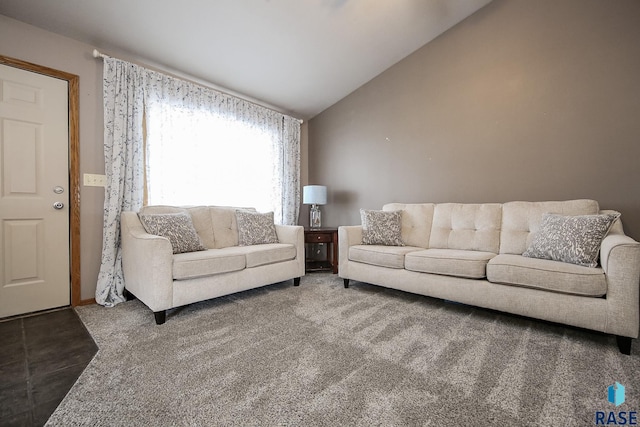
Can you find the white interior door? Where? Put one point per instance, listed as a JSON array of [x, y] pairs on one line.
[[34, 192]]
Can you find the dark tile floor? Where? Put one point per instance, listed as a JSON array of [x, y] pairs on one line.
[[41, 357]]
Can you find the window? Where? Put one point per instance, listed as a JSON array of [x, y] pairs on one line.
[[204, 147], [202, 158]]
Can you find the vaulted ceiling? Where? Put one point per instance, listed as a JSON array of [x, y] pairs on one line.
[[299, 56]]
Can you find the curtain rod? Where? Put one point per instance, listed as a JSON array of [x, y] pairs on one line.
[[98, 54]]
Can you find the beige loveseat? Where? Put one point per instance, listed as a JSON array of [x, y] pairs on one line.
[[473, 254], [162, 279]]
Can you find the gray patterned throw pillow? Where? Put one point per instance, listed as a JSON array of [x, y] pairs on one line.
[[177, 227], [381, 227], [255, 228], [572, 239]]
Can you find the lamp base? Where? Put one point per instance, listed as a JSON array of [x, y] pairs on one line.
[[315, 220]]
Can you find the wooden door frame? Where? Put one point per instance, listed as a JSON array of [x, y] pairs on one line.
[[74, 164]]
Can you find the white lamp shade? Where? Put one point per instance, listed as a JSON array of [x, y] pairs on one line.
[[314, 195]]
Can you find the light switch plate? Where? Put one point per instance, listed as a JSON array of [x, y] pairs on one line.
[[94, 180]]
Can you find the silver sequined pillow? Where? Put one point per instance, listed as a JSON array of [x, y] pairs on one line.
[[177, 227], [255, 228], [572, 239], [381, 227]]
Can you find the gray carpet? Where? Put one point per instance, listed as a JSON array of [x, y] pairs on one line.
[[323, 355]]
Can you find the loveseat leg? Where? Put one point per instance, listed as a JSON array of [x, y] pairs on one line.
[[346, 283], [624, 344], [296, 281], [161, 316]]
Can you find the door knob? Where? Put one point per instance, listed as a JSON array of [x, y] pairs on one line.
[[58, 205]]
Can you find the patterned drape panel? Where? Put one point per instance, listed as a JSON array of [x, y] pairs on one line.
[[290, 172], [123, 93]]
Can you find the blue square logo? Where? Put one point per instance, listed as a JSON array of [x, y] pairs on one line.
[[615, 394]]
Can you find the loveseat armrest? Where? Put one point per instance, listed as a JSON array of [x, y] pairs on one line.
[[294, 235], [620, 260], [348, 235], [147, 264]]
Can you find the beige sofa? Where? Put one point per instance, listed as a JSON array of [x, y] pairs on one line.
[[472, 254], [163, 280]]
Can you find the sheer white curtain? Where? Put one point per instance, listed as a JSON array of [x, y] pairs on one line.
[[207, 147], [123, 96]]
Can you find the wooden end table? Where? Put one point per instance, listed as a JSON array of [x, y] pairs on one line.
[[322, 235]]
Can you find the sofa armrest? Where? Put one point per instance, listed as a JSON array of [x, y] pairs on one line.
[[293, 234], [147, 264], [618, 245], [348, 235], [620, 260]]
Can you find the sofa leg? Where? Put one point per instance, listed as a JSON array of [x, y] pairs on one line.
[[296, 281], [161, 316], [346, 283], [624, 344]]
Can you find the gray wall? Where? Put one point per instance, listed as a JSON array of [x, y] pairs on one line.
[[524, 100]]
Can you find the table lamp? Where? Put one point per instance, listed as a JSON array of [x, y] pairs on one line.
[[314, 195]]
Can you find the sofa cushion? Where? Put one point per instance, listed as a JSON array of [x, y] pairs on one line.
[[177, 227], [383, 256], [547, 275], [160, 209], [450, 262], [416, 222], [258, 255], [255, 228], [201, 218], [521, 219], [381, 227], [219, 230], [206, 263], [574, 239], [466, 226], [225, 226]]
